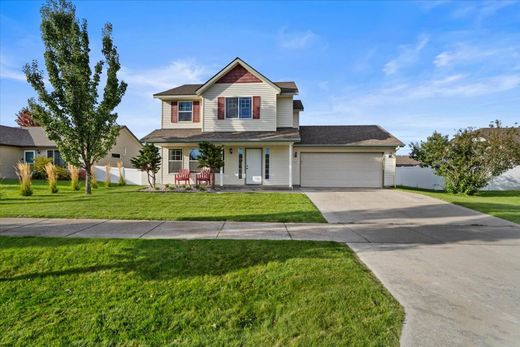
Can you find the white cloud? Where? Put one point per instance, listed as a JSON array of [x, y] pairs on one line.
[[296, 39], [482, 10], [464, 53], [9, 71], [176, 73], [407, 56]]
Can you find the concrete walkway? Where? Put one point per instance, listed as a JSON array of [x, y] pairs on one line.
[[45, 227]]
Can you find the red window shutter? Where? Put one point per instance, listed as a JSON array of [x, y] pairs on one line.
[[174, 112], [196, 112], [256, 107], [221, 101]]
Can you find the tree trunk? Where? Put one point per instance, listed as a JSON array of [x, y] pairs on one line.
[[212, 179], [88, 188]]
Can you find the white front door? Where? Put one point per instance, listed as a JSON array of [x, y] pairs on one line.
[[253, 166]]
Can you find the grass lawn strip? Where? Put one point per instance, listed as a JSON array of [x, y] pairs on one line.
[[127, 203], [57, 291], [501, 204]]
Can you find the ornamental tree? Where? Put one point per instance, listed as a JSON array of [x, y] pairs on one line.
[[148, 160], [471, 158], [68, 107], [24, 118], [211, 157]]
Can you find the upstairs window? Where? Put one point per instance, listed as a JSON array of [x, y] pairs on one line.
[[239, 107], [185, 111]]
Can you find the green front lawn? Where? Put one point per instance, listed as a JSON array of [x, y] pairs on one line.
[[56, 291], [502, 204], [127, 203]]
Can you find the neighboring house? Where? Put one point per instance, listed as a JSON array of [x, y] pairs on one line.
[[258, 123], [405, 161], [25, 144]]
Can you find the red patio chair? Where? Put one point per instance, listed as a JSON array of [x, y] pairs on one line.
[[182, 176], [203, 176]]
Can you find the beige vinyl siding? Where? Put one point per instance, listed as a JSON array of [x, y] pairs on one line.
[[267, 121], [284, 111], [296, 119], [166, 117], [278, 174], [126, 146], [389, 166], [9, 156], [279, 166]]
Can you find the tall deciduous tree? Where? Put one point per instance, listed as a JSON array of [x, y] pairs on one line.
[[24, 118], [470, 159], [148, 160], [211, 157], [82, 124]]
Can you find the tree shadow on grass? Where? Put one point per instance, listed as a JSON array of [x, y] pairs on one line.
[[157, 260]]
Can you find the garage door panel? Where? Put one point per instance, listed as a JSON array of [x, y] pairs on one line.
[[341, 170]]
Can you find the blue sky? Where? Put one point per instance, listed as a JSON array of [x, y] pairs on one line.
[[411, 67]]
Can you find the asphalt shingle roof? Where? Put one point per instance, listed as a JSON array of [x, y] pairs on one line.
[[190, 89], [196, 135], [347, 135]]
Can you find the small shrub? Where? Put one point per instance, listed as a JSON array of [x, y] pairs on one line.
[[63, 173], [74, 177], [39, 167], [52, 177], [24, 174], [93, 178], [108, 173], [122, 181]]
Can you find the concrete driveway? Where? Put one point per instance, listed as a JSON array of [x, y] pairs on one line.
[[455, 271]]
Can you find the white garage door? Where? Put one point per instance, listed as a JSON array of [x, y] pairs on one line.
[[341, 170]]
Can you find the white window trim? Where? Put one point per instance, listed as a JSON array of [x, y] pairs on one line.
[[34, 155], [174, 160], [238, 107], [179, 111]]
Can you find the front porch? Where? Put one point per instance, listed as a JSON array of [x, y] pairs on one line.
[[246, 164]]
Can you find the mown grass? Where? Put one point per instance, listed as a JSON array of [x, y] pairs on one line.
[[88, 292], [502, 204], [127, 203]]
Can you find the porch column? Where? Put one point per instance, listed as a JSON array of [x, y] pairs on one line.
[[290, 165], [221, 176]]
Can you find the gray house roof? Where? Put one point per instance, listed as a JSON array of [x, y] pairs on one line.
[[31, 137], [196, 135], [190, 89], [347, 135], [342, 135]]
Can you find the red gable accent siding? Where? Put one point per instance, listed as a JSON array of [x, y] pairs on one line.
[[196, 112], [256, 107], [221, 100], [238, 75], [174, 111]]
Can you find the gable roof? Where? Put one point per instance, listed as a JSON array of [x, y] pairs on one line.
[[286, 87], [347, 135], [229, 67]]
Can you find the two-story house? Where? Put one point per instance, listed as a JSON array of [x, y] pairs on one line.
[[258, 123]]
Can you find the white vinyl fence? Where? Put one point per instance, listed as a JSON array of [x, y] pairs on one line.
[[132, 176], [424, 177]]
